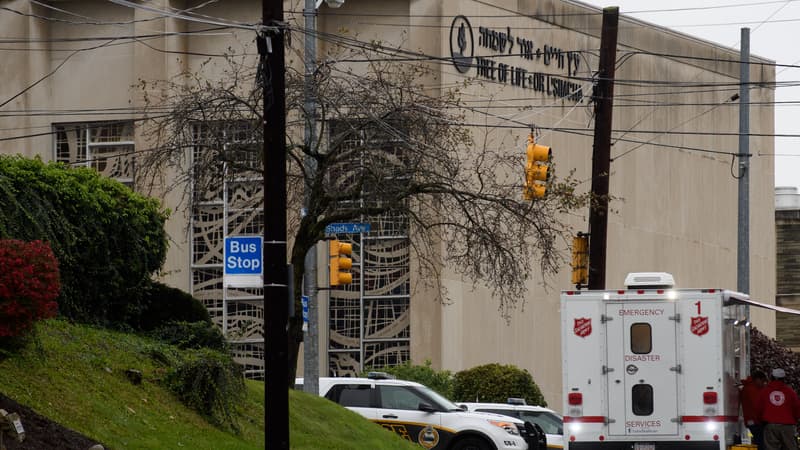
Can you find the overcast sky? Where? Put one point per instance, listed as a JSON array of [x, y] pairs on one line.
[[774, 34]]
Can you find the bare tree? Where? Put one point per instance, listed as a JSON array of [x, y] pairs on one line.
[[389, 145]]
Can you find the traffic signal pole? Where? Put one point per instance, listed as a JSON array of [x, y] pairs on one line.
[[276, 304], [601, 151]]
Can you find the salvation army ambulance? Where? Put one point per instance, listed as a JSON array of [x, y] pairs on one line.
[[650, 367]]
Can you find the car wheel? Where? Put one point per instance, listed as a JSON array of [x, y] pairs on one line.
[[471, 443]]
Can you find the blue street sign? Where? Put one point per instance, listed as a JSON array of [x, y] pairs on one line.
[[304, 299], [347, 228], [243, 255]]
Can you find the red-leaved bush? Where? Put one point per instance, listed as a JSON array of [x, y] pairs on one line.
[[29, 285]]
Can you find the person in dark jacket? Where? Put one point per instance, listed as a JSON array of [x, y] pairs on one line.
[[779, 409], [750, 391]]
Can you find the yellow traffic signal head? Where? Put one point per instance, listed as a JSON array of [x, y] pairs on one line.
[[580, 259], [537, 152], [536, 172], [532, 191], [536, 169], [339, 261]]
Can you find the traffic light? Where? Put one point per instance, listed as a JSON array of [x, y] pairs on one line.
[[340, 263], [536, 169], [580, 259]]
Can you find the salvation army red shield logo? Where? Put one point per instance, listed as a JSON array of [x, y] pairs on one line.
[[583, 327], [699, 325], [777, 398]]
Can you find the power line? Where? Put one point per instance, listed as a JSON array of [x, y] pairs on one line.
[[553, 14], [206, 32], [188, 18], [52, 72]]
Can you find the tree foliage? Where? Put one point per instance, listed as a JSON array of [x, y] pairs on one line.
[[29, 285], [440, 381], [108, 240], [495, 383]]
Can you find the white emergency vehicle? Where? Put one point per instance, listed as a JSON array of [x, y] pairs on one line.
[[548, 420], [650, 367], [420, 415]]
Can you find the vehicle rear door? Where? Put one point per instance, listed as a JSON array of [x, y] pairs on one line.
[[642, 368]]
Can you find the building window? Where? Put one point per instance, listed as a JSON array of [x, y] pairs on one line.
[[369, 321], [105, 146], [227, 200]]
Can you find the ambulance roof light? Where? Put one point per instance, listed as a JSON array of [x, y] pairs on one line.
[[649, 280]]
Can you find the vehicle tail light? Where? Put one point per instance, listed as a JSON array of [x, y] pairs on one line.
[[710, 403], [575, 401]]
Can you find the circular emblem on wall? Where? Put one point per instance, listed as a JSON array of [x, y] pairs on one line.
[[462, 44], [631, 369], [428, 437]]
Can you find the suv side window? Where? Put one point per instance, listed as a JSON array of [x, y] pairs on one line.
[[400, 397], [354, 395]]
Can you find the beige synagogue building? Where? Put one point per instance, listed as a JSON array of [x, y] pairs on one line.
[[71, 67]]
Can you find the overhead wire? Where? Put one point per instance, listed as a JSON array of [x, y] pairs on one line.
[[52, 72], [186, 17], [553, 14], [712, 108]]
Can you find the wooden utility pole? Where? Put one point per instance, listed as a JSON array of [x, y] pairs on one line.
[[601, 152], [276, 302]]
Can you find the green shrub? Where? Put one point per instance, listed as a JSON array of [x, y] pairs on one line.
[[495, 383], [210, 383], [108, 239], [162, 305], [187, 335], [440, 381]]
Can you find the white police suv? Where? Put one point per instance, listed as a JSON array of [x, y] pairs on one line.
[[549, 421], [420, 415]]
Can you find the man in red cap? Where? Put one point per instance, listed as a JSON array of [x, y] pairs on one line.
[[750, 391], [779, 409]]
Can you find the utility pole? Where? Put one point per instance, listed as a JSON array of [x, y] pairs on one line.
[[601, 150], [311, 339], [743, 248], [743, 251], [276, 302]]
